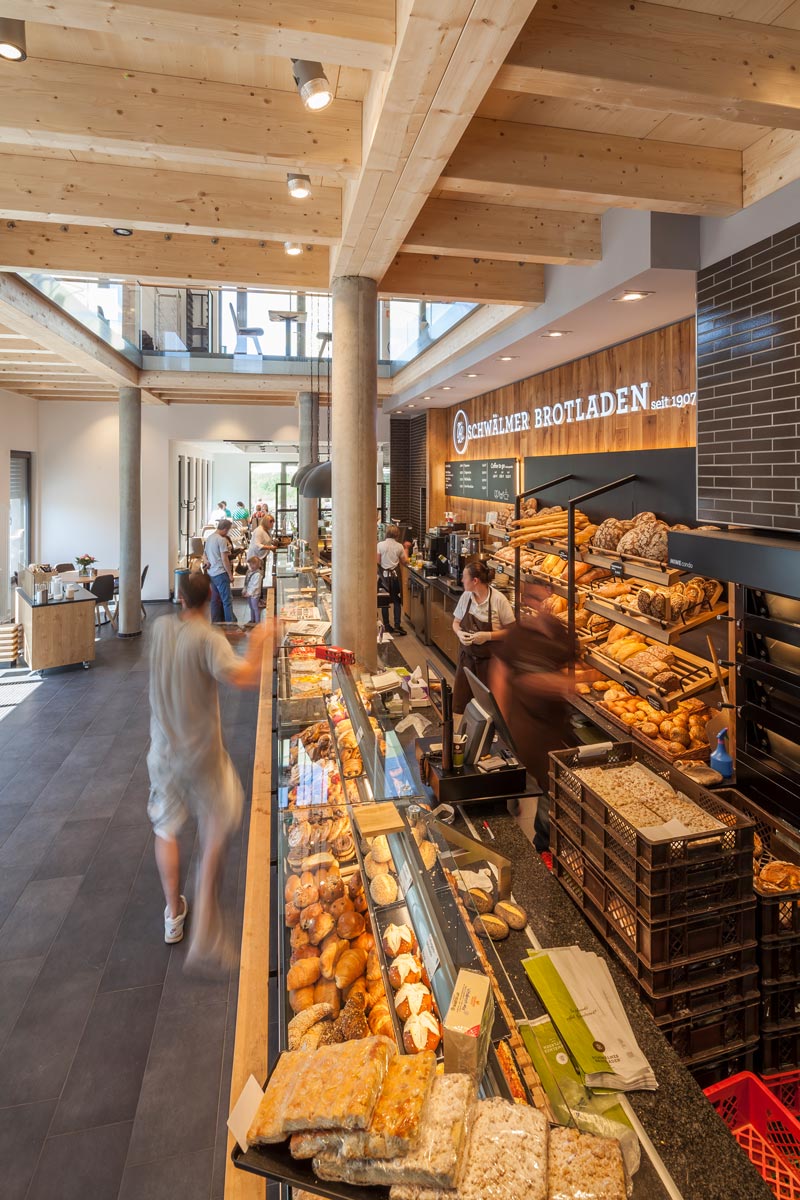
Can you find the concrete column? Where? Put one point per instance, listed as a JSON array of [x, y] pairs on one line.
[[130, 512], [308, 508], [354, 454]]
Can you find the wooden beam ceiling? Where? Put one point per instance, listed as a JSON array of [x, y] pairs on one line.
[[358, 33], [481, 281], [77, 107], [497, 231], [35, 189], [159, 258], [642, 54], [218, 384], [444, 61], [562, 164]]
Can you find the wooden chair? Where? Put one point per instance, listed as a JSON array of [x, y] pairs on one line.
[[102, 588]]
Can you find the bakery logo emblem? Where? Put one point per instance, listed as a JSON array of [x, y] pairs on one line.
[[599, 1047], [494, 426]]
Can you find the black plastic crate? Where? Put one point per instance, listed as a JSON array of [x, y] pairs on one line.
[[702, 998], [779, 959], [690, 848], [779, 1049], [778, 912], [780, 1004], [709, 930], [738, 1058], [709, 1035]]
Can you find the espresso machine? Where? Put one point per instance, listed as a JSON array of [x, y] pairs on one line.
[[462, 547], [436, 549]]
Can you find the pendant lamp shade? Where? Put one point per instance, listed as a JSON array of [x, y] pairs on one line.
[[301, 473], [316, 485]]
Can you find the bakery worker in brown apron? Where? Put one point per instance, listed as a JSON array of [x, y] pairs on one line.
[[482, 615], [529, 682]]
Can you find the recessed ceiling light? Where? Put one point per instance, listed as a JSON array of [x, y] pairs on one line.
[[312, 84], [508, 357], [412, 406], [472, 375], [121, 232], [628, 297], [447, 389], [12, 40], [427, 397], [293, 248], [299, 186], [556, 333]]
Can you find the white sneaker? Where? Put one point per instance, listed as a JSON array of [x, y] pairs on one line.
[[173, 926]]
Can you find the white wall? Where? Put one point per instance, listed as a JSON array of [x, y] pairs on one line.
[[79, 457], [17, 432]]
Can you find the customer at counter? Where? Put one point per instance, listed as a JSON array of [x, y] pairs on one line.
[[529, 682], [391, 552], [261, 540], [480, 620], [220, 572]]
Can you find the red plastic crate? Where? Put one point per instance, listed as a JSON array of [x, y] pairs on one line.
[[786, 1086], [764, 1128]]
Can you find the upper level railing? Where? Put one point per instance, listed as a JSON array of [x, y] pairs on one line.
[[153, 324]]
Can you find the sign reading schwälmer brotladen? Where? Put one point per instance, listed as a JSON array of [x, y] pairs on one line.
[[597, 406]]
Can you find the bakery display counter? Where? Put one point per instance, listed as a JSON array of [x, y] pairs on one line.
[[60, 633]]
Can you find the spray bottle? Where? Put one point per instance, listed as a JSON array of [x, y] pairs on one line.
[[721, 760]]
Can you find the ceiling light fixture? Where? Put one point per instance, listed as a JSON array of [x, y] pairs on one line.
[[299, 186], [508, 357], [628, 297], [447, 389], [427, 397], [120, 231], [312, 84], [412, 406], [12, 40], [472, 375], [293, 249], [556, 332]]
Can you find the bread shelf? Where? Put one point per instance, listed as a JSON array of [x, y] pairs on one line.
[[696, 675], [626, 566], [668, 633], [592, 705]]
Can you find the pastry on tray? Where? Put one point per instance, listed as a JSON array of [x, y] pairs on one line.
[[581, 1164], [337, 1087]]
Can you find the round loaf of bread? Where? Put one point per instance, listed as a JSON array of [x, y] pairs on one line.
[[373, 867], [383, 889], [350, 925], [380, 849], [513, 914], [331, 888], [491, 926], [481, 900]]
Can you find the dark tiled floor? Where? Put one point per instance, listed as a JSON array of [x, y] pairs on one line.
[[114, 1065]]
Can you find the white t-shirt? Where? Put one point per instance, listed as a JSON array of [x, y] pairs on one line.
[[217, 545], [260, 543], [252, 583], [391, 552], [502, 612], [187, 756]]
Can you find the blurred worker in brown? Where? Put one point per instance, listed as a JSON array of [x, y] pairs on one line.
[[529, 682]]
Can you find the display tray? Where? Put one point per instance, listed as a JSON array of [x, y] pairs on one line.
[[666, 632], [695, 674], [600, 713], [275, 1162], [623, 566]]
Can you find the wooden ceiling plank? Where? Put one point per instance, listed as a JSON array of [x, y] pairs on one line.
[[163, 201], [482, 281], [771, 163], [160, 258], [357, 33], [647, 55], [414, 115], [31, 314], [176, 383], [80, 107], [606, 169], [456, 228]]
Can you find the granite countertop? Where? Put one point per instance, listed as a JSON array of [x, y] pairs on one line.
[[698, 1151]]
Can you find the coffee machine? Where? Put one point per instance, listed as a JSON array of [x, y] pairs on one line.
[[436, 548], [462, 547]]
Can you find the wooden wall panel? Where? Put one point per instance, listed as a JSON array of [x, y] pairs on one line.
[[665, 358]]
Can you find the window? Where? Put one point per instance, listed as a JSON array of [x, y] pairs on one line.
[[19, 528], [270, 482]]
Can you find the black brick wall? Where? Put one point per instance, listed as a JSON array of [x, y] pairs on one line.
[[408, 464], [748, 382]]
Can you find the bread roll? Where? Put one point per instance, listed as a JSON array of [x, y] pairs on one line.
[[373, 966], [373, 867], [320, 927], [404, 969], [303, 952], [326, 992], [491, 926], [481, 900], [290, 888], [383, 889], [412, 999], [331, 888], [513, 914], [428, 854], [305, 895], [398, 939], [342, 905], [309, 914], [421, 1033], [349, 967], [380, 849], [301, 999], [350, 925], [298, 937], [291, 916], [303, 974], [358, 990], [364, 941]]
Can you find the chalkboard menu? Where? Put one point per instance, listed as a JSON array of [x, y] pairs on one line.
[[490, 479]]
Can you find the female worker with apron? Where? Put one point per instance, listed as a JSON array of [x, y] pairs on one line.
[[481, 618]]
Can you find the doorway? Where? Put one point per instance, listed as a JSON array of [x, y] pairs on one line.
[[19, 524]]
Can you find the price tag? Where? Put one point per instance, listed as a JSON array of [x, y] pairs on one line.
[[359, 736], [562, 554], [430, 956], [631, 688], [617, 569], [656, 703], [406, 882]]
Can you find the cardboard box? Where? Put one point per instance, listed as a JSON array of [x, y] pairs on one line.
[[468, 1025]]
